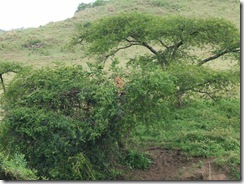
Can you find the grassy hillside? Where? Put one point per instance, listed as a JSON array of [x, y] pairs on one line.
[[205, 132]]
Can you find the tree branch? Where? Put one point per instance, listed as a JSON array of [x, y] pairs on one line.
[[131, 41], [182, 91], [1, 77], [163, 44], [225, 51], [120, 48], [146, 45], [150, 48], [176, 47], [204, 92]]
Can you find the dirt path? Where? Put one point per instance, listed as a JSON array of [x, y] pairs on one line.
[[174, 165]]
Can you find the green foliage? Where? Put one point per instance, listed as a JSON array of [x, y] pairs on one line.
[[56, 115], [136, 160], [149, 94], [200, 128], [173, 35], [99, 3], [231, 162], [68, 123], [47, 140], [191, 81], [72, 124], [202, 82], [213, 136], [15, 168], [83, 6], [6, 67]]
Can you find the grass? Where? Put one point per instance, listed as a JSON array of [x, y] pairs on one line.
[[200, 128]]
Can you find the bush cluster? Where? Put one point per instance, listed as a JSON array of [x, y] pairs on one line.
[[72, 124]]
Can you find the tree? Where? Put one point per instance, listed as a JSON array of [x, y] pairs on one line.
[[171, 42], [169, 39], [6, 67]]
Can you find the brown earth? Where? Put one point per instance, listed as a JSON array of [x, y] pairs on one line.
[[174, 165]]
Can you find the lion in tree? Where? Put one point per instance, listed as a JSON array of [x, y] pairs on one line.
[[120, 84]]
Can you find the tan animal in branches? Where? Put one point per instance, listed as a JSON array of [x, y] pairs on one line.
[[120, 84]]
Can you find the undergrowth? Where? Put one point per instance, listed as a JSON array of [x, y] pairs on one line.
[[136, 160], [202, 129]]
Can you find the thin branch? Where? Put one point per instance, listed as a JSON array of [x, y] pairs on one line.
[[217, 56], [181, 91], [176, 47], [131, 41], [117, 50], [197, 91], [203, 92], [163, 44]]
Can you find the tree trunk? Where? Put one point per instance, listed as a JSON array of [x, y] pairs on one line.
[[1, 76]]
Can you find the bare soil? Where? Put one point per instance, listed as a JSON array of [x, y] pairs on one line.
[[175, 165]]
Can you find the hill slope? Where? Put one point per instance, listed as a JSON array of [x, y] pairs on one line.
[[47, 44]]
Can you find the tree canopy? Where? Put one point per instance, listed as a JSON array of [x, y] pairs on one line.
[[169, 39]]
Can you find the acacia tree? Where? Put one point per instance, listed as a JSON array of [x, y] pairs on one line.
[[171, 42], [167, 38]]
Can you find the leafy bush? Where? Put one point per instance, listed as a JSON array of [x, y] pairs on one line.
[[83, 6], [15, 168], [58, 115], [72, 124], [33, 43], [137, 160]]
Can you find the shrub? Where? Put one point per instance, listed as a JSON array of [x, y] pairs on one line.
[[56, 117], [137, 160], [15, 168], [83, 6], [72, 124], [33, 44]]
